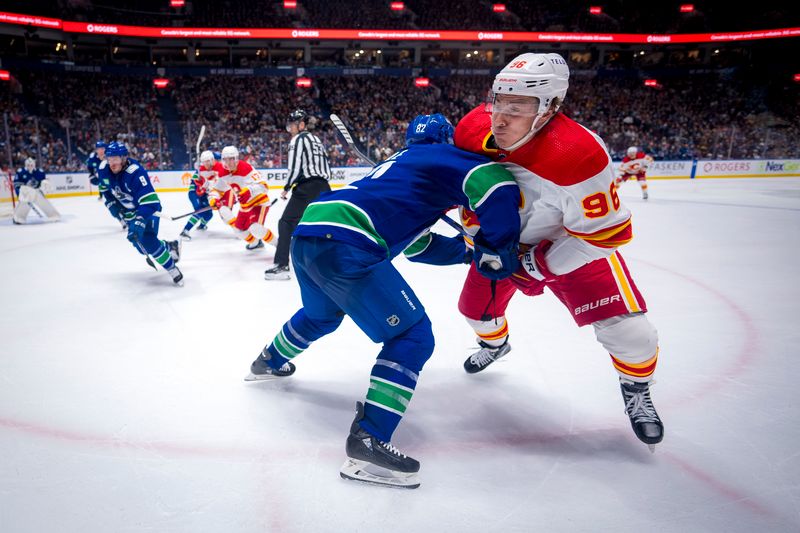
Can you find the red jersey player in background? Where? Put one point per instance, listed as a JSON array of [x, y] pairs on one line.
[[635, 164], [240, 182], [202, 181], [572, 223]]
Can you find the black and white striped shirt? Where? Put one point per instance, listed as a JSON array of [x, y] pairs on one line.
[[307, 159]]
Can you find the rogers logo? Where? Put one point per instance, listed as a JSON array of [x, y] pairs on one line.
[[659, 38], [294, 33], [99, 28], [482, 36]]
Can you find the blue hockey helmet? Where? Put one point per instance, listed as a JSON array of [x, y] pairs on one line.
[[100, 144], [116, 149], [429, 129]]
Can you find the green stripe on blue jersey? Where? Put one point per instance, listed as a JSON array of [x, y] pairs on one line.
[[149, 198], [388, 395], [343, 215], [482, 180], [419, 245], [285, 347]]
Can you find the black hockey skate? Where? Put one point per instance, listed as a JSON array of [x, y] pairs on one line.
[[485, 356], [255, 245], [261, 371], [373, 461], [176, 275], [644, 418], [174, 248], [280, 272], [185, 235]]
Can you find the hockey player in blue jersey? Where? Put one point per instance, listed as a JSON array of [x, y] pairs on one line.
[[93, 164], [129, 184], [30, 186], [342, 251]]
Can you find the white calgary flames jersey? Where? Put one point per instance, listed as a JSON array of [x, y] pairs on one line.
[[244, 177], [566, 181]]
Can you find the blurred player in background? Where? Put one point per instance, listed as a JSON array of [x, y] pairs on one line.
[[635, 164], [309, 172], [30, 186], [239, 182], [93, 164], [202, 180]]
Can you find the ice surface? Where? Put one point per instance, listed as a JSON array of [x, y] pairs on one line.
[[122, 404]]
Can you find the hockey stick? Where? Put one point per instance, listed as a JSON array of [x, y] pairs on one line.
[[348, 138], [197, 212], [199, 140]]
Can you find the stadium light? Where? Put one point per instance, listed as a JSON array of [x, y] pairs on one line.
[[397, 6], [303, 83], [498, 8], [422, 82], [289, 4], [651, 83], [160, 83], [177, 3], [595, 10], [687, 8], [6, 75]]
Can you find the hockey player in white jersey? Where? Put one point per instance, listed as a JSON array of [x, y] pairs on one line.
[[572, 224], [30, 185]]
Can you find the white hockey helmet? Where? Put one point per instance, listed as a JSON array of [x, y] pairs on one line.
[[207, 156], [541, 76], [230, 151], [30, 164], [544, 76], [632, 151]]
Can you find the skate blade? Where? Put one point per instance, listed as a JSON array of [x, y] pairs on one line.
[[262, 377], [365, 472], [652, 448]]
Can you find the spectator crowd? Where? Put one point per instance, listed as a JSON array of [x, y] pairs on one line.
[[58, 117]]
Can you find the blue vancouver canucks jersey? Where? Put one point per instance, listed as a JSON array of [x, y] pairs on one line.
[[30, 178], [403, 196], [131, 188]]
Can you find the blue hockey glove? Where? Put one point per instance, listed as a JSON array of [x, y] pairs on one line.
[[136, 230], [496, 264], [94, 180]]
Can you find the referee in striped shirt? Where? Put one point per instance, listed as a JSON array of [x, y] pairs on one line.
[[309, 172]]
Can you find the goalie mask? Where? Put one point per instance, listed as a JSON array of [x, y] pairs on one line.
[[30, 164]]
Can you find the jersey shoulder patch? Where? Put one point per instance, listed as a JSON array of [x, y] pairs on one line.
[[563, 152], [132, 168]]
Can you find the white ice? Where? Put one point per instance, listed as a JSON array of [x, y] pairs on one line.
[[123, 406]]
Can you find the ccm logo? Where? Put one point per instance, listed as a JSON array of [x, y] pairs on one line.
[[597, 303]]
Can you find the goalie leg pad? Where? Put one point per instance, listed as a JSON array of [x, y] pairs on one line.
[[21, 213], [46, 207]]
